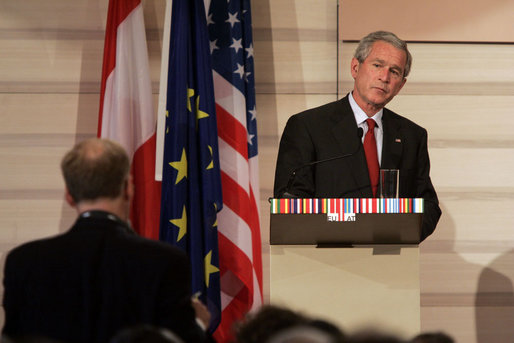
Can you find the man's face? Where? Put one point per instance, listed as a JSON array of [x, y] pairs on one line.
[[379, 78]]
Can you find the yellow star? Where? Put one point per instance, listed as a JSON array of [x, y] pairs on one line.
[[190, 93], [200, 114], [167, 127], [180, 166], [209, 268], [216, 221], [211, 165], [181, 223]]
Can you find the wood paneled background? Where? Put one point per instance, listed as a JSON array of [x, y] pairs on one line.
[[50, 68], [428, 21]]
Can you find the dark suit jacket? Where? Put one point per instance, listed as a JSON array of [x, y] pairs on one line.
[[329, 131], [97, 278]]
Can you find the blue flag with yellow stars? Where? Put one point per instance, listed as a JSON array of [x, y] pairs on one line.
[[191, 184]]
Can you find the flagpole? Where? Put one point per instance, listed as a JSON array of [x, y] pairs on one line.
[[163, 82]]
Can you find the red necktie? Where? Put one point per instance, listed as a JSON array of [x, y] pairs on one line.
[[370, 149]]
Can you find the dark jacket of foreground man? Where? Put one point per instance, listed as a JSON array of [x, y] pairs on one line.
[[94, 280]]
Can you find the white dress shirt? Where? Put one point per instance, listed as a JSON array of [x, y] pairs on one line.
[[361, 117]]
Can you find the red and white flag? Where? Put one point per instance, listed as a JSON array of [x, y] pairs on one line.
[[126, 107]]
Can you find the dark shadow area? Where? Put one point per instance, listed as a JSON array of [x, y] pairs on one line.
[[154, 13], [443, 274], [267, 113], [265, 83], [494, 303]]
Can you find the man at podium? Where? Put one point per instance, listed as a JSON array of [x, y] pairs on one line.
[[336, 150]]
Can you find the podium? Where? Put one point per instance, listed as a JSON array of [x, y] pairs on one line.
[[354, 262]]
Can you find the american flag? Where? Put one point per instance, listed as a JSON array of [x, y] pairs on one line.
[[231, 46]]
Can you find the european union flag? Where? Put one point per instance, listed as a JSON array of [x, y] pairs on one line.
[[191, 185]]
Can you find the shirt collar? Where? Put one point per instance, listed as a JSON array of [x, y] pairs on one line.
[[361, 116], [99, 214]]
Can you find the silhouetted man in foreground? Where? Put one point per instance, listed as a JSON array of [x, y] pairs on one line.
[[99, 277]]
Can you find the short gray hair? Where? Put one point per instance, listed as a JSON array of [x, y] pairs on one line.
[[95, 168], [364, 48]]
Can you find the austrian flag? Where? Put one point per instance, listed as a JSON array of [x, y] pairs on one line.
[[126, 110]]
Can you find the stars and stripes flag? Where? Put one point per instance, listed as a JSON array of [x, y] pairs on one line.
[[126, 110], [191, 183], [230, 32]]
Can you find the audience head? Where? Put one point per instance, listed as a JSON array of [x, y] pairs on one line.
[[276, 324], [28, 339], [95, 168], [145, 334], [432, 337], [371, 336], [301, 334], [259, 326], [329, 328]]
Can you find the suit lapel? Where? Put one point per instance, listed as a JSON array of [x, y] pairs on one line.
[[344, 131], [392, 142]]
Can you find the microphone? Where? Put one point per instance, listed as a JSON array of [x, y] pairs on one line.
[[292, 177]]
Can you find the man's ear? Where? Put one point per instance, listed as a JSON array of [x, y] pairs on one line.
[[403, 82], [69, 198], [354, 67], [128, 188]]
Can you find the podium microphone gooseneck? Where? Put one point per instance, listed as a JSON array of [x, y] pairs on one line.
[[292, 177]]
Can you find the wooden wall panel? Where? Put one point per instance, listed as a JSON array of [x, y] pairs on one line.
[[295, 15], [36, 218], [282, 106], [296, 67], [449, 69], [295, 46], [38, 114], [472, 167], [435, 20], [58, 47], [452, 118], [20, 163]]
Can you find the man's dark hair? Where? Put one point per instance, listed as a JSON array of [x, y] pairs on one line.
[[145, 334], [432, 337], [95, 168], [337, 335], [258, 327], [372, 336]]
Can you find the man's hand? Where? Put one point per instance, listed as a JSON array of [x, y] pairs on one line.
[[202, 313]]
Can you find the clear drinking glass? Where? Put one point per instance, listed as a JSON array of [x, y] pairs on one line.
[[389, 182]]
